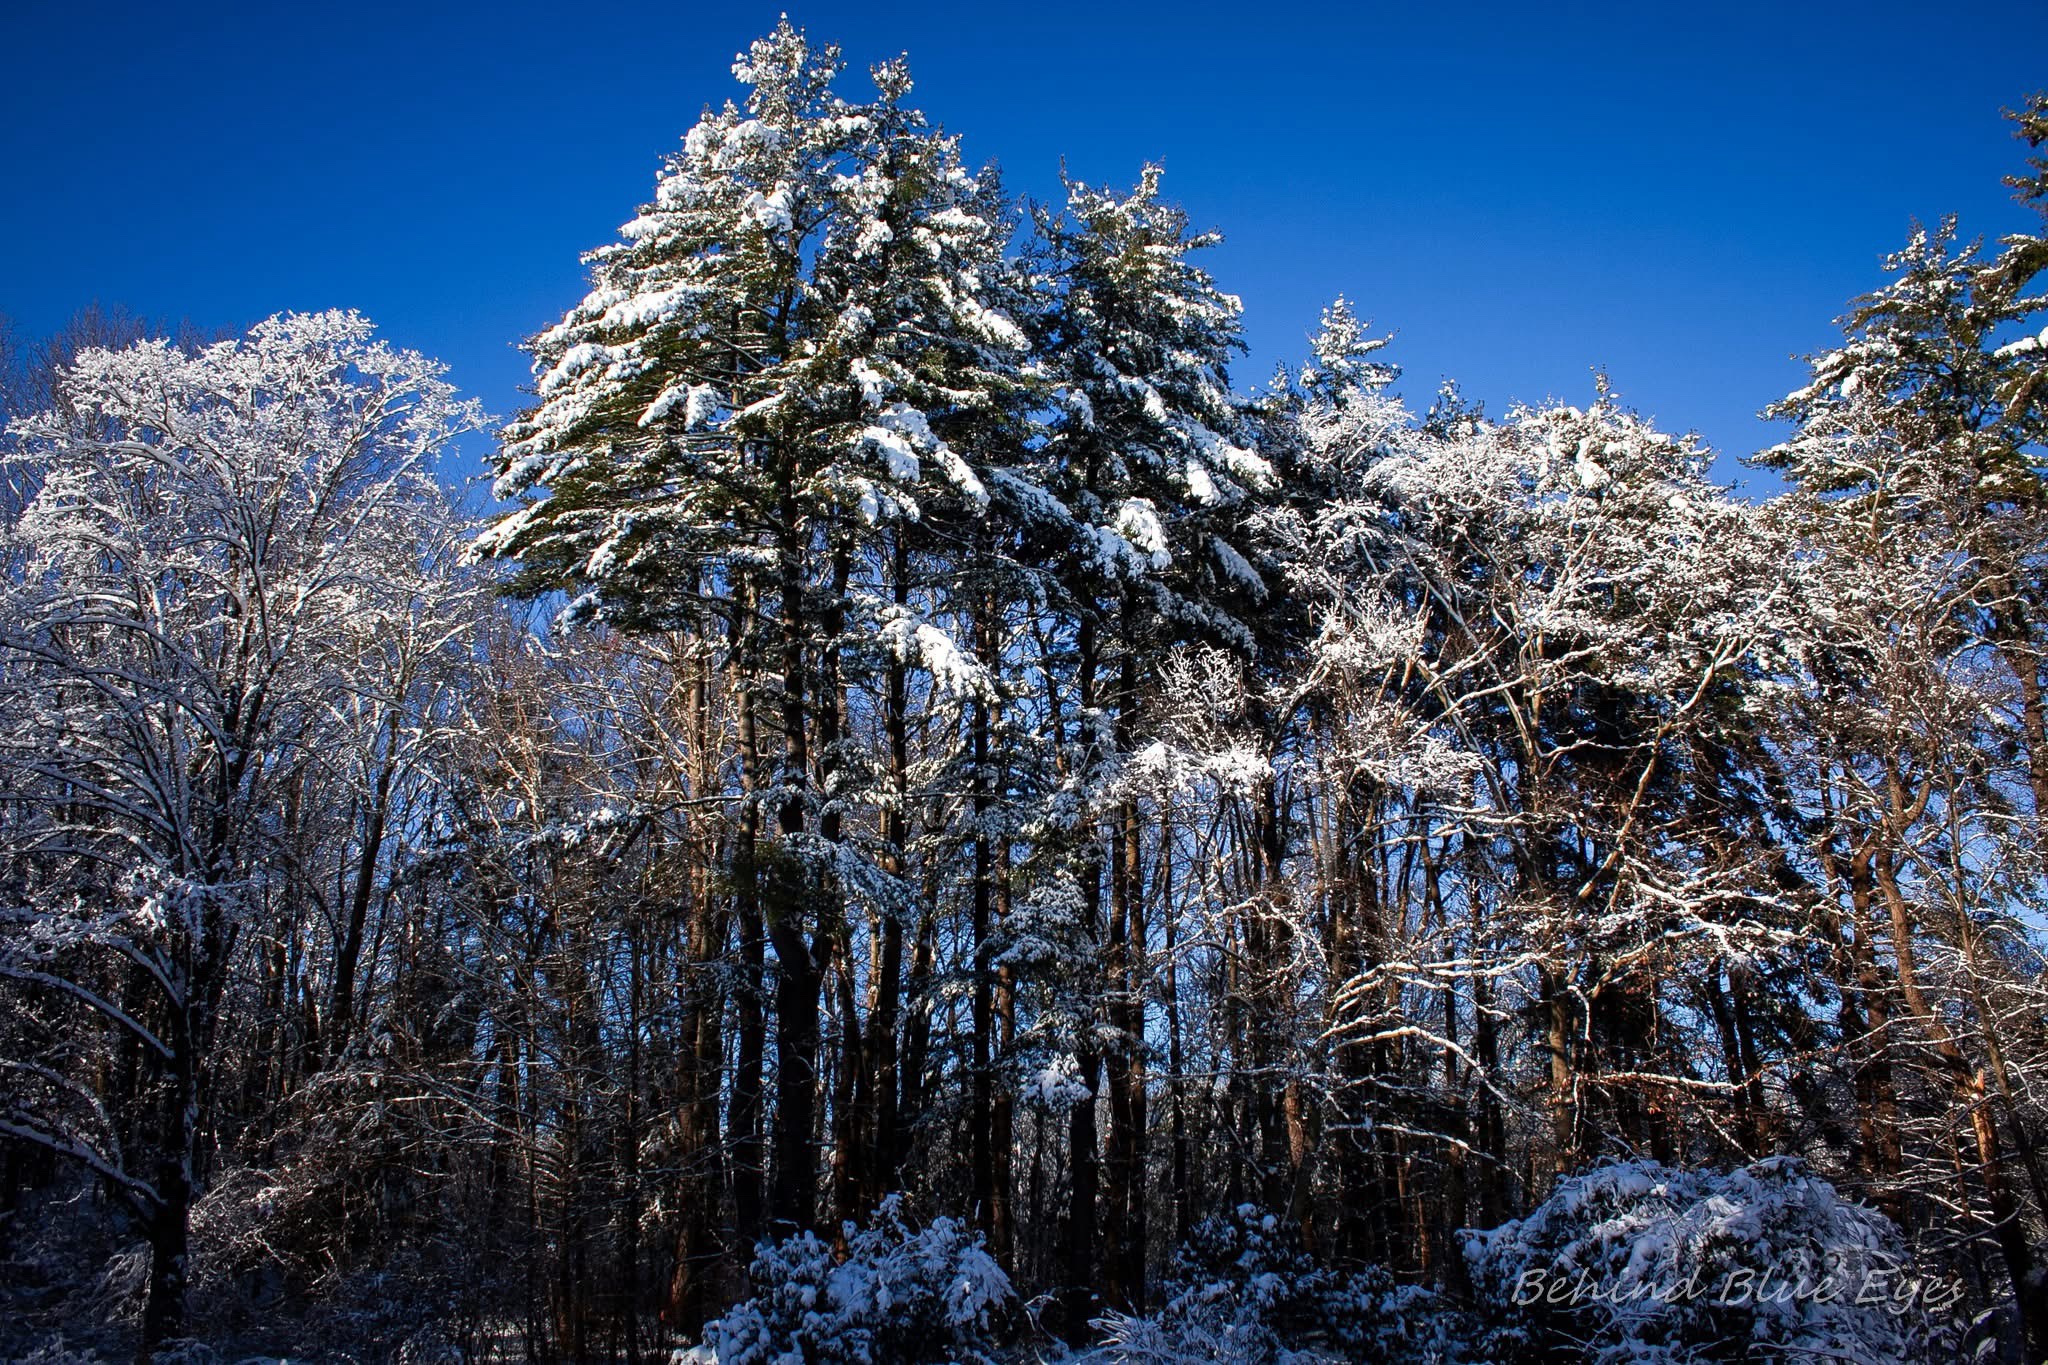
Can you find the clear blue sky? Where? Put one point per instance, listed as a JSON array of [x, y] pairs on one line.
[[1685, 194]]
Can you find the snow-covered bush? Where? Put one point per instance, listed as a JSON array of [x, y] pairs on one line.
[[54, 1351], [1642, 1263], [894, 1295], [1244, 1290]]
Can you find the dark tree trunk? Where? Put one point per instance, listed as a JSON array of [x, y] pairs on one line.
[[169, 1224], [744, 1120], [348, 954], [1082, 1169]]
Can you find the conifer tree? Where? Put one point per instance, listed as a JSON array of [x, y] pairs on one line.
[[741, 418], [1145, 455]]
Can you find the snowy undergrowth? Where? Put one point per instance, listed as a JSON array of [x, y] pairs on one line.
[[1647, 1264], [891, 1295], [1244, 1290]]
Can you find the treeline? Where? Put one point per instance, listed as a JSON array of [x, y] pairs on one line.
[[919, 729]]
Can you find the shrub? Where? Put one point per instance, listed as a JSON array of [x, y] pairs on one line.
[[1244, 1290], [891, 1295], [1641, 1263]]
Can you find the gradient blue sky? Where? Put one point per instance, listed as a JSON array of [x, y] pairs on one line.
[[1685, 194]]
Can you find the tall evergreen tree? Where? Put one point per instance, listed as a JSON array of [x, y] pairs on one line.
[[1145, 454], [740, 419]]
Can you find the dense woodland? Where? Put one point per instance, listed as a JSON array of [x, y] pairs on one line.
[[917, 774]]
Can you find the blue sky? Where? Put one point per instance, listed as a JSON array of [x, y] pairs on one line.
[[1683, 194]]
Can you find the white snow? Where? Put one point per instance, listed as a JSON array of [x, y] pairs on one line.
[[1137, 521]]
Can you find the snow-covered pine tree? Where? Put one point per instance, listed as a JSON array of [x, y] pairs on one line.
[[1145, 453], [733, 428], [941, 367]]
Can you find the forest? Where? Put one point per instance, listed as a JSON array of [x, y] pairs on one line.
[[921, 821]]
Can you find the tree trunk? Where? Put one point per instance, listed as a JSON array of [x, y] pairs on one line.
[[170, 1219], [1002, 1107], [349, 952], [884, 1020], [1082, 1172], [792, 1199], [981, 1157], [744, 1118]]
